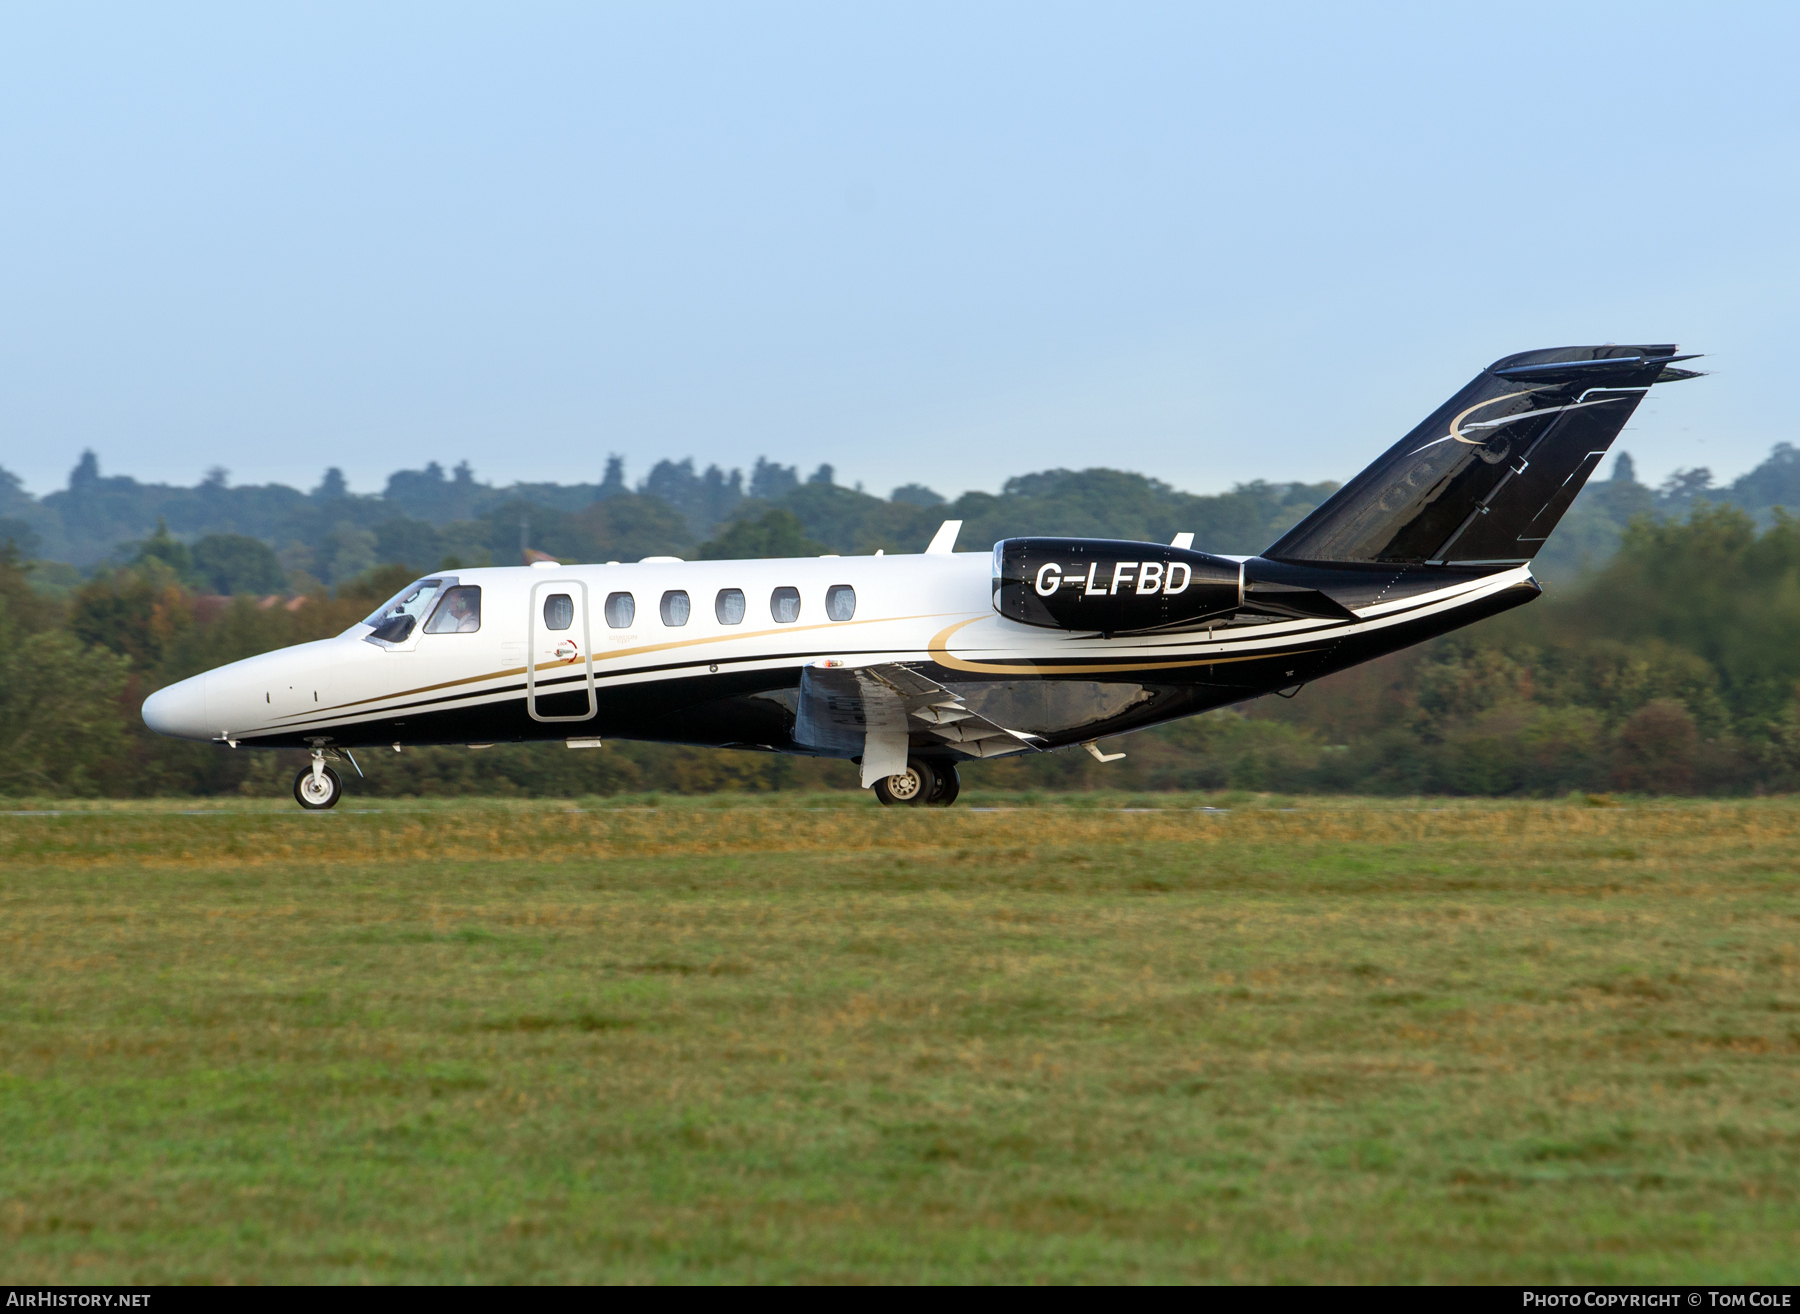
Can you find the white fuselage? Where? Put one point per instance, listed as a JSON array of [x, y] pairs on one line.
[[514, 678]]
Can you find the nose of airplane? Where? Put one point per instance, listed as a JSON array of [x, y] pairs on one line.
[[180, 710]]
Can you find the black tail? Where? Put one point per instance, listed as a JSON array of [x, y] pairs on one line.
[[1487, 477]]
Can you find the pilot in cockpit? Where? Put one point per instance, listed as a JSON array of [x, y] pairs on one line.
[[460, 613]]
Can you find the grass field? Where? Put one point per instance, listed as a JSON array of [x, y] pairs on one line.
[[805, 1039]]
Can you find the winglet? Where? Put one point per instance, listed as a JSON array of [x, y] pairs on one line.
[[944, 541], [1182, 541]]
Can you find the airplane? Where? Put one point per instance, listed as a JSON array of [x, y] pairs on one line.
[[909, 665]]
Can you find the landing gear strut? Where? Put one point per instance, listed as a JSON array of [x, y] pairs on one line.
[[318, 786], [933, 784]]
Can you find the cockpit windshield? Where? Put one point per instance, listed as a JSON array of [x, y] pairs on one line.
[[395, 621]]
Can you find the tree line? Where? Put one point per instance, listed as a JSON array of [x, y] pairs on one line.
[[1672, 668], [272, 538]]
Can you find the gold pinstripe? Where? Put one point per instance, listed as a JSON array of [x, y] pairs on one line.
[[613, 656], [940, 653]]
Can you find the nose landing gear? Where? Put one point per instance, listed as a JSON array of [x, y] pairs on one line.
[[929, 784], [318, 785]]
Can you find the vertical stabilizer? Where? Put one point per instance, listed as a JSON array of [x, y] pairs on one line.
[[1491, 472]]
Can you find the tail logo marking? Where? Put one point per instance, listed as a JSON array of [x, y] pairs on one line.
[[1459, 430]]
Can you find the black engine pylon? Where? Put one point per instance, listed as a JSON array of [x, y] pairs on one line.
[[1278, 588]]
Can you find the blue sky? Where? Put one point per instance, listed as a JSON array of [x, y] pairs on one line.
[[943, 244]]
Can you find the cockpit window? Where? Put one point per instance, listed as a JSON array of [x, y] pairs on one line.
[[458, 613], [395, 621]]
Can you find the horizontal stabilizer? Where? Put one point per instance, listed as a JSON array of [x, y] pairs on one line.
[[1598, 370]]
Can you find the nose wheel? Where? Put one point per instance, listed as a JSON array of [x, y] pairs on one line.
[[318, 786]]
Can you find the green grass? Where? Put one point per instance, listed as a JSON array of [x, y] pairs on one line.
[[808, 1040]]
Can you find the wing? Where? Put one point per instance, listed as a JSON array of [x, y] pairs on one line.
[[875, 712]]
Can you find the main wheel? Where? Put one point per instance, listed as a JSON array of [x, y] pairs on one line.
[[321, 793], [949, 785], [911, 787]]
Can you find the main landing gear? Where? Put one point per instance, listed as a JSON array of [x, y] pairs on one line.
[[318, 785], [929, 784]]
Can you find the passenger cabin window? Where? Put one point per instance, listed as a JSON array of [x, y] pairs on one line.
[[458, 613], [621, 610], [675, 608], [784, 606], [729, 606], [394, 622], [840, 602], [559, 611]]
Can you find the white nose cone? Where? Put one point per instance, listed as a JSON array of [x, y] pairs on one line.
[[180, 710]]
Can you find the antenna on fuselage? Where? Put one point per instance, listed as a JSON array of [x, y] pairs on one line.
[[944, 541]]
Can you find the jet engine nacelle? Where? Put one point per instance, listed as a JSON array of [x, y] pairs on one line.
[[1111, 585]]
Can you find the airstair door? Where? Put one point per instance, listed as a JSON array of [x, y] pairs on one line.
[[559, 662]]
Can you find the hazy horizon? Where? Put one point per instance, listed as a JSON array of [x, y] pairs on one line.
[[635, 477], [943, 245]]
